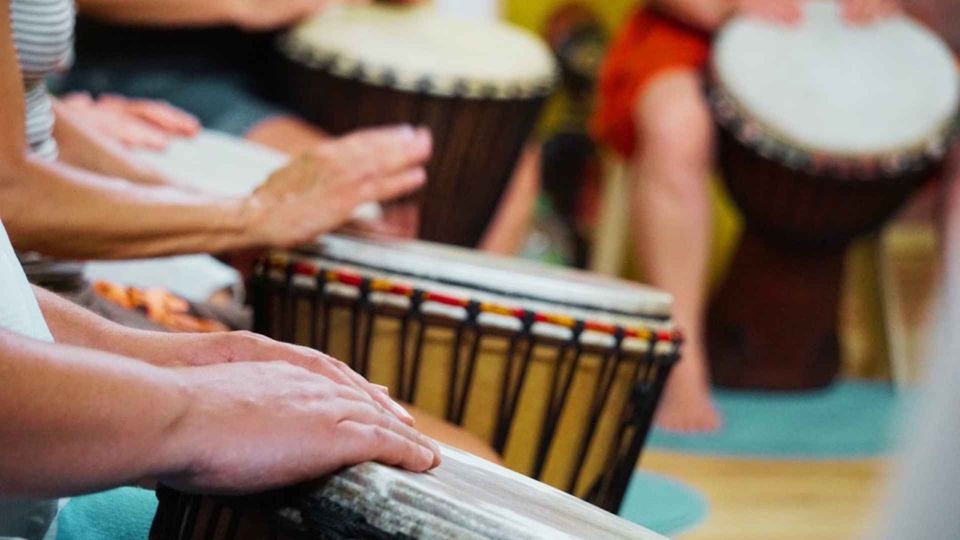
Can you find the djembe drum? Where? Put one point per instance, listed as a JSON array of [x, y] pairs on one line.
[[559, 370], [465, 498], [826, 131], [479, 86]]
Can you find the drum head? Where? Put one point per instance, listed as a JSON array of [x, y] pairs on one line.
[[829, 88], [422, 50], [451, 268]]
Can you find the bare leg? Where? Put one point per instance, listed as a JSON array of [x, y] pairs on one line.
[[671, 229], [511, 223]]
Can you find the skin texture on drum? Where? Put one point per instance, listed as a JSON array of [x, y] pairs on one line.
[[466, 498]]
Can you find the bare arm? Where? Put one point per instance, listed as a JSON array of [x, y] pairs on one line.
[[710, 15], [707, 15], [73, 325], [74, 420], [254, 14], [60, 210]]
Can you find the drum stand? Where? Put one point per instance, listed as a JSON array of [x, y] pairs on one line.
[[773, 323]]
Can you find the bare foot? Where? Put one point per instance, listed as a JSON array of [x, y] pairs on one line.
[[686, 406]]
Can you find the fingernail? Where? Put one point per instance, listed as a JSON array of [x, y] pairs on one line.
[[401, 411], [428, 457]]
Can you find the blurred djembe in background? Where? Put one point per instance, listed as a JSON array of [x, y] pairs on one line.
[[570, 161]]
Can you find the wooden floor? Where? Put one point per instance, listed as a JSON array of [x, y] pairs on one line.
[[776, 500]]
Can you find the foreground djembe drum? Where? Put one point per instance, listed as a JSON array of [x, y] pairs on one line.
[[478, 86], [559, 370], [466, 498], [826, 131]]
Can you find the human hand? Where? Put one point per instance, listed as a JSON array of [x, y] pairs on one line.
[[276, 14], [134, 123], [786, 12], [258, 426], [862, 12], [319, 191], [232, 347]]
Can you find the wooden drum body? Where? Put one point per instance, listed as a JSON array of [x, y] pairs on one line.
[[563, 391], [466, 498], [479, 87], [813, 168]]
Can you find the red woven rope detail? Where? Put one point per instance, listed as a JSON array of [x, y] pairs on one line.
[[388, 286]]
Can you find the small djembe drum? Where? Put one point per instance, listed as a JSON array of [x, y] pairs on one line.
[[479, 86], [827, 129], [560, 371], [465, 498]]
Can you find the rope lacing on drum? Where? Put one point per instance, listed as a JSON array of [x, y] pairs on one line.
[[388, 286]]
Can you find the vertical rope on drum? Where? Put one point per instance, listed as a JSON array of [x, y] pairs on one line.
[[210, 533], [404, 389], [608, 373], [233, 525], [417, 351], [369, 311], [644, 398], [555, 404], [456, 354], [508, 368], [317, 301], [355, 310], [287, 306], [191, 514], [503, 430], [473, 311]]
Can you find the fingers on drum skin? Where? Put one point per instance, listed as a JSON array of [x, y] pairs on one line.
[[385, 188], [159, 113], [374, 414], [78, 99], [167, 117], [388, 150], [361, 442]]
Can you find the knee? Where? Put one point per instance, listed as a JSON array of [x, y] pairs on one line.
[[679, 131]]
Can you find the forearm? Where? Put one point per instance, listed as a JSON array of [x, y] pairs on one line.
[[707, 15], [164, 13], [74, 420], [62, 211], [83, 147], [71, 324]]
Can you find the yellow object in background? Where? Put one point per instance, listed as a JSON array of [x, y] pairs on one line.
[[533, 14]]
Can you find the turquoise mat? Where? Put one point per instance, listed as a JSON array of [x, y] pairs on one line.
[[120, 514], [662, 505], [849, 420]]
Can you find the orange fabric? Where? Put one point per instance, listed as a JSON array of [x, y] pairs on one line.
[[160, 306], [648, 45]]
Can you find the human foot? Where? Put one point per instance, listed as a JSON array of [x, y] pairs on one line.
[[686, 406]]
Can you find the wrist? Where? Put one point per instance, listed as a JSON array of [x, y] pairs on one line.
[[179, 447], [253, 217]]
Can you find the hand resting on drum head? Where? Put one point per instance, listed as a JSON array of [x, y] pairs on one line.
[[248, 436], [319, 191]]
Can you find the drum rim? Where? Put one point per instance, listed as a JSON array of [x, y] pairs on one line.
[[659, 337], [772, 143], [658, 307], [338, 65]]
